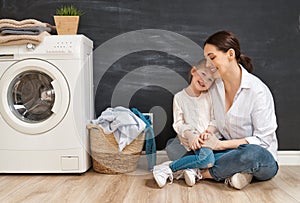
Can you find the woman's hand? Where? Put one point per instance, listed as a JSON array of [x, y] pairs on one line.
[[209, 140]]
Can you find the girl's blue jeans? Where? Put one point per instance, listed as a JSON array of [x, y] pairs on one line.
[[248, 158], [201, 158]]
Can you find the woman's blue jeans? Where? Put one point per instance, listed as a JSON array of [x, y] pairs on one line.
[[201, 158], [248, 158]]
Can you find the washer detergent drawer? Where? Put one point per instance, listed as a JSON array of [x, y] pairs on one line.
[[69, 163]]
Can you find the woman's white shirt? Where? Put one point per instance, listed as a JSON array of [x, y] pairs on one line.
[[252, 114]]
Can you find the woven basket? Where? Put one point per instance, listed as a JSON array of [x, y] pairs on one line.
[[106, 156]]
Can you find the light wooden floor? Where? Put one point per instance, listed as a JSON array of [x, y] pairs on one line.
[[140, 187]]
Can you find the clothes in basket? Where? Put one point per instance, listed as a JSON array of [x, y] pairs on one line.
[[122, 122]]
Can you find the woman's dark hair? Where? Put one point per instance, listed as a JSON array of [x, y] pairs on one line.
[[224, 41]]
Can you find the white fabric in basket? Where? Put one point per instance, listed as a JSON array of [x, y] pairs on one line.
[[122, 122]]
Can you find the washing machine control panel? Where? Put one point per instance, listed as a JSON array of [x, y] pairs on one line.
[[56, 47], [61, 47]]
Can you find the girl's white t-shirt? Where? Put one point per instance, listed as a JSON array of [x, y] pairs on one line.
[[192, 113]]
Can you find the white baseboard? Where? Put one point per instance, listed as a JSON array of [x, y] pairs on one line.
[[291, 158]]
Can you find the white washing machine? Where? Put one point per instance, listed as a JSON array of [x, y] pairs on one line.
[[46, 102]]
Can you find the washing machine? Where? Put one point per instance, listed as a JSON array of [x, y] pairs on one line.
[[46, 101]]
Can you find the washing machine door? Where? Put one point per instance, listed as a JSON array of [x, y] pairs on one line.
[[35, 96]]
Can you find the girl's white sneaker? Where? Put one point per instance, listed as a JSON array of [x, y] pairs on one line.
[[162, 173], [191, 176]]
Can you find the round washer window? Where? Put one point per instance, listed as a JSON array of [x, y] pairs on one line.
[[31, 96], [35, 96]]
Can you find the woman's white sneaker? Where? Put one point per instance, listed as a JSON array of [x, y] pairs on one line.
[[239, 180]]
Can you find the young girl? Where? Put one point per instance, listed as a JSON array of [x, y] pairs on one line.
[[193, 115]]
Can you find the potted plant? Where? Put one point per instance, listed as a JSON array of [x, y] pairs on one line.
[[67, 20]]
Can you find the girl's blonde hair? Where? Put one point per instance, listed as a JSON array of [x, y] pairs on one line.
[[203, 63]]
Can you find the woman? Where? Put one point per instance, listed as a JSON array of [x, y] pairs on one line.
[[245, 116]]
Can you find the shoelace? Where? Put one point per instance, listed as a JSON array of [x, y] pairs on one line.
[[228, 182], [171, 178], [178, 174], [197, 173]]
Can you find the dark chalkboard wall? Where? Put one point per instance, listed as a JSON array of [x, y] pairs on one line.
[[269, 32]]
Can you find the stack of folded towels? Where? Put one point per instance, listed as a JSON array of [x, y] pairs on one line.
[[14, 32]]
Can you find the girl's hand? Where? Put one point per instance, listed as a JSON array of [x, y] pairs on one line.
[[192, 138], [195, 144], [193, 141]]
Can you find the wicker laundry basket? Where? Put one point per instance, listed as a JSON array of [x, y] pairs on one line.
[[105, 154]]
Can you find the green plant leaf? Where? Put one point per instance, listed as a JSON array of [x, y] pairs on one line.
[[69, 11]]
